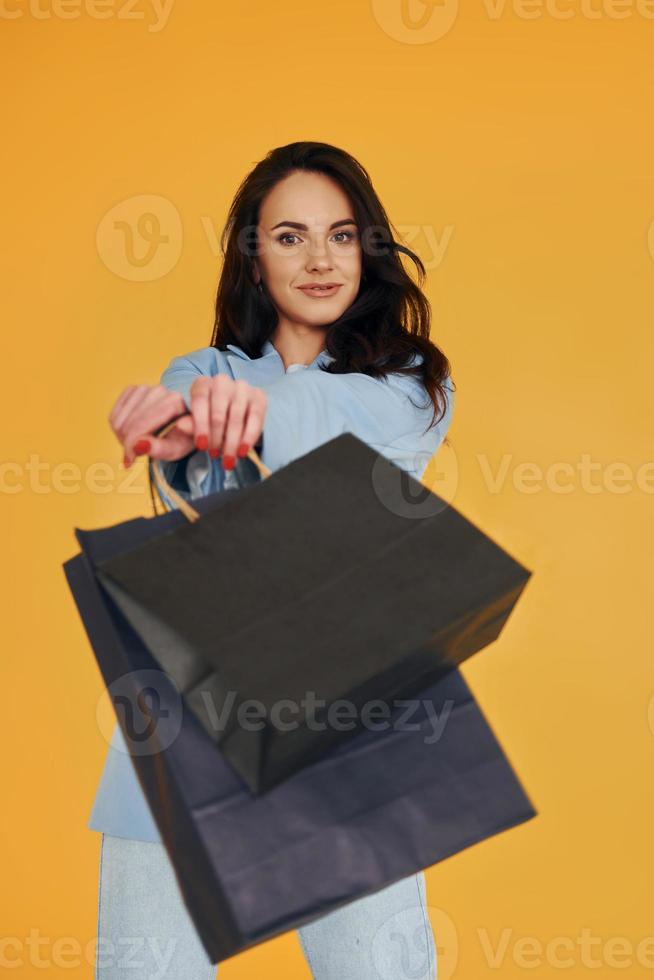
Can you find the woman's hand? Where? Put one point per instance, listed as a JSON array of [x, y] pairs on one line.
[[142, 409], [228, 416]]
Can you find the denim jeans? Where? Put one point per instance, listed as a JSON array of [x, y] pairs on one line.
[[146, 933]]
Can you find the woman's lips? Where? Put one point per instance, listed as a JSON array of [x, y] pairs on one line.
[[319, 292]]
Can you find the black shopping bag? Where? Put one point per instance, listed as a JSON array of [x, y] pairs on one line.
[[338, 579], [393, 799]]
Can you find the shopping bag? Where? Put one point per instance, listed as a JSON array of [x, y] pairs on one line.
[[403, 794], [338, 579]]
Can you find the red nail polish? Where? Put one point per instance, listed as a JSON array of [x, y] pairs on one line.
[[243, 449], [142, 446], [202, 442], [228, 462]]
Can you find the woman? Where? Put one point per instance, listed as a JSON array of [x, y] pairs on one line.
[[319, 330]]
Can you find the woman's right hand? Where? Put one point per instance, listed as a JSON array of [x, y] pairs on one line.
[[228, 416]]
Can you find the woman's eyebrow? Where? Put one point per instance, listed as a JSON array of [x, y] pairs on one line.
[[301, 227]]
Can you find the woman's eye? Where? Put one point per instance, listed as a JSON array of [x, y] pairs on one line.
[[345, 237]]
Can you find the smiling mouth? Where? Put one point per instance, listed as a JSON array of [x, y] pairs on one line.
[[326, 290]]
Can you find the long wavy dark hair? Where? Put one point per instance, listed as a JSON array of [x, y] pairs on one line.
[[388, 322]]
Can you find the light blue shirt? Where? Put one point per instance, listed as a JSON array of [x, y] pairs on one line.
[[306, 407]]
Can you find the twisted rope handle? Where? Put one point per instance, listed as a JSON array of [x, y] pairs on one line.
[[163, 487]]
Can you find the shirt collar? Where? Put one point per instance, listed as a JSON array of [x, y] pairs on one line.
[[269, 350]]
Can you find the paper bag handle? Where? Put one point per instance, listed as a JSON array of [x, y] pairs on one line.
[[162, 485]]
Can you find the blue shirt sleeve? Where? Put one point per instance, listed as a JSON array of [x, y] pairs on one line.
[[183, 370], [391, 415], [308, 408]]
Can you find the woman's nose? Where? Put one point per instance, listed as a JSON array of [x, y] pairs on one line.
[[319, 259]]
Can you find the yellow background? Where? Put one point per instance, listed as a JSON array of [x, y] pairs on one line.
[[523, 144]]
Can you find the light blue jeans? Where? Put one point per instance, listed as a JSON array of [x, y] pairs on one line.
[[146, 933]]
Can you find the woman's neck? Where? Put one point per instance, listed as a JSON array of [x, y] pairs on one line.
[[298, 345]]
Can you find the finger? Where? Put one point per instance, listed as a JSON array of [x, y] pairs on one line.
[[235, 421], [254, 420], [125, 404], [143, 444], [200, 401], [120, 401], [158, 407], [185, 424], [221, 395], [178, 441], [134, 408], [135, 426], [174, 445]]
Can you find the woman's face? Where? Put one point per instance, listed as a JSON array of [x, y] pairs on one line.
[[307, 234]]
